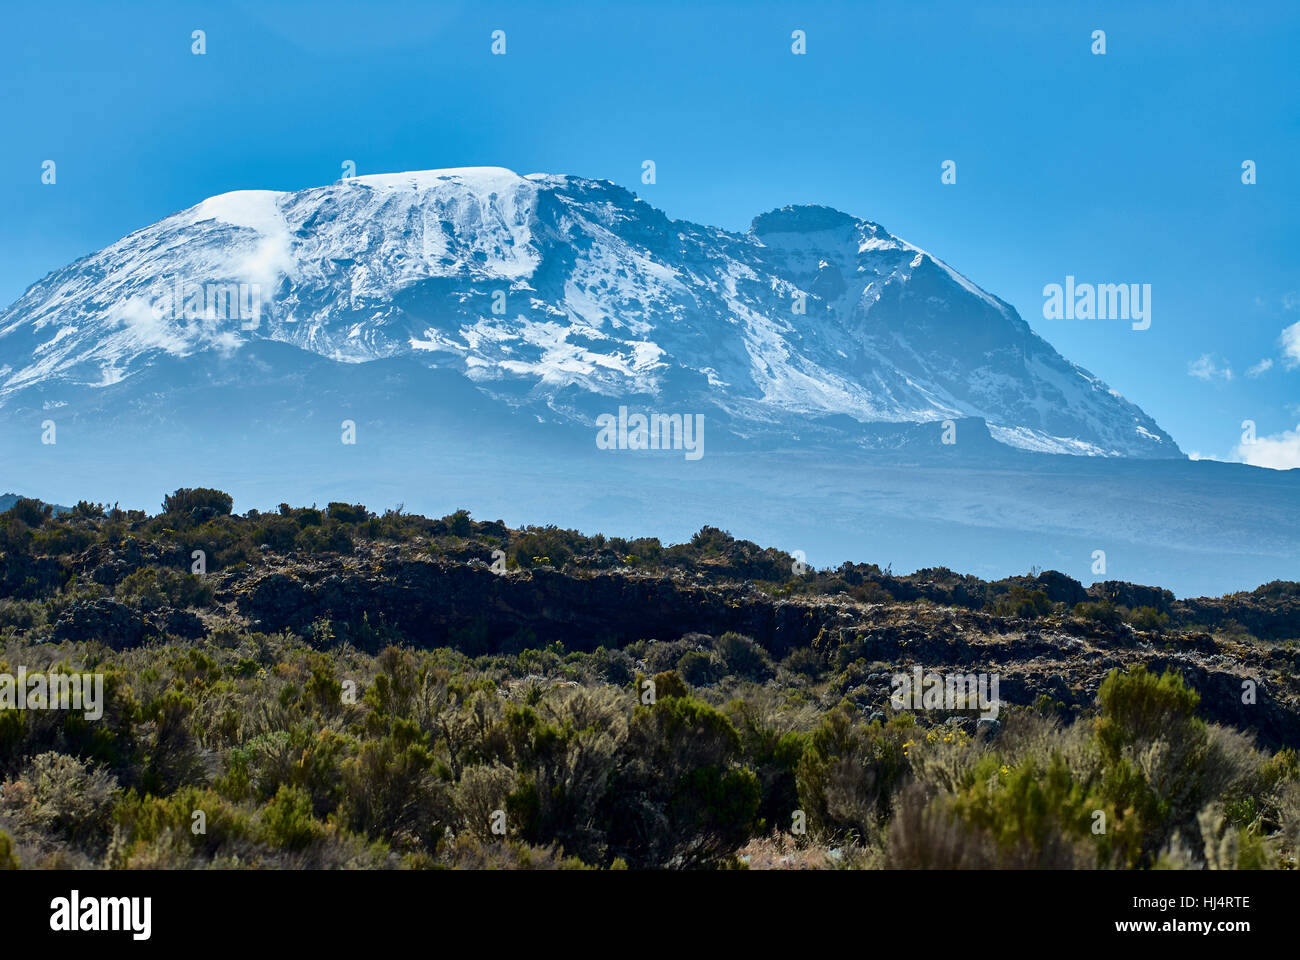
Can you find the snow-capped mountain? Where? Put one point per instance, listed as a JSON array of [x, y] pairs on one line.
[[561, 295]]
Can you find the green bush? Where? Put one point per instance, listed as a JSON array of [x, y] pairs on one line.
[[287, 820], [1148, 618], [698, 669], [155, 587], [1021, 602], [1103, 612], [460, 524], [544, 546], [806, 662], [348, 512], [331, 538], [1162, 762], [8, 859], [681, 798], [29, 511], [849, 771], [1041, 815], [390, 789], [668, 684], [144, 820], [197, 505], [1137, 706], [743, 657]]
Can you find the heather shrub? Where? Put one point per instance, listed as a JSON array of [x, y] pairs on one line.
[[668, 684], [773, 753], [155, 587], [565, 749], [1102, 612], [348, 512], [849, 772], [145, 824], [1149, 619], [8, 859], [698, 668], [59, 796], [287, 820], [197, 505], [389, 790], [29, 511], [742, 657], [681, 798], [806, 662], [1021, 602], [336, 738], [481, 797], [1041, 815]]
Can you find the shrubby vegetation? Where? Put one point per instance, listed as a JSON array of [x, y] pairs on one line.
[[334, 746], [257, 735]]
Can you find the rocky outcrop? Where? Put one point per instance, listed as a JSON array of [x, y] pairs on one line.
[[121, 626], [436, 603]]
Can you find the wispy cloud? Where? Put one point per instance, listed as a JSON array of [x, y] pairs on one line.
[[1206, 369], [1260, 368], [1291, 345]]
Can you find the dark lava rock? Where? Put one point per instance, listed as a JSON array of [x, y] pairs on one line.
[[180, 623], [1132, 595], [103, 620]]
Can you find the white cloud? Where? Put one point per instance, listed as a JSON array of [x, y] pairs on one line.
[[1278, 452], [1206, 369], [1291, 345], [1260, 368], [143, 327]]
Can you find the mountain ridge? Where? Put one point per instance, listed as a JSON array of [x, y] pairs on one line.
[[557, 294]]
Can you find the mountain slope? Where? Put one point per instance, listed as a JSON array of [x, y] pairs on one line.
[[563, 297]]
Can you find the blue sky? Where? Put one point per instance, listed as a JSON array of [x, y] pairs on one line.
[[1122, 168]]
